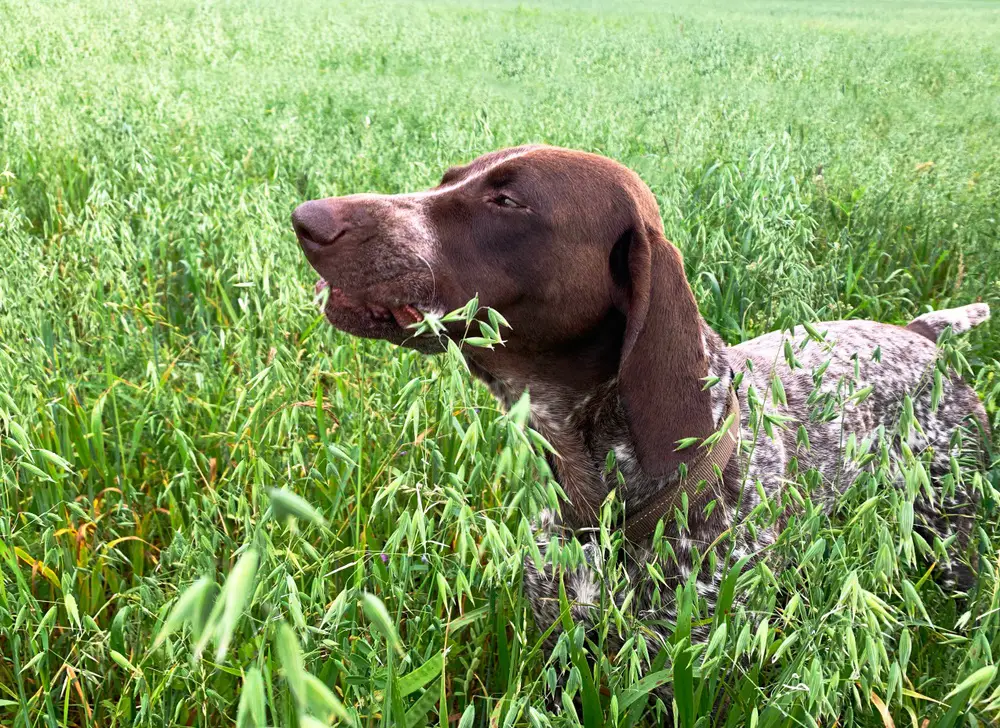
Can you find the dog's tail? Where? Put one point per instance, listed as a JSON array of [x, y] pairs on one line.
[[959, 320]]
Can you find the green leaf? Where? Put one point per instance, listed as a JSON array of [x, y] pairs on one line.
[[21, 437], [290, 655], [813, 332], [118, 629], [235, 593], [979, 680], [593, 715], [478, 341], [643, 688], [683, 679], [307, 721], [56, 460], [468, 716], [417, 714], [728, 589], [320, 701], [285, 504], [71, 608], [252, 713], [378, 615], [187, 606], [123, 662], [422, 675], [97, 430]]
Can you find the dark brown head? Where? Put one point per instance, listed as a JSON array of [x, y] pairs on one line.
[[567, 246]]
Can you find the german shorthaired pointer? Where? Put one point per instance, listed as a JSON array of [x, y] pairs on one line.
[[606, 335]]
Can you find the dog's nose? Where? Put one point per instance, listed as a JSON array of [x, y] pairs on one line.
[[320, 222]]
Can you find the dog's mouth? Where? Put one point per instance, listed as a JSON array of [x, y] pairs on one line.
[[378, 313]]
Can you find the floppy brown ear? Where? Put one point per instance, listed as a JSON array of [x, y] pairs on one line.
[[663, 362]]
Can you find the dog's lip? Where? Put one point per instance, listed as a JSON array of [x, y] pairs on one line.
[[404, 314]]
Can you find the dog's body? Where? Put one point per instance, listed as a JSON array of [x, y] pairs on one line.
[[830, 414], [607, 339]]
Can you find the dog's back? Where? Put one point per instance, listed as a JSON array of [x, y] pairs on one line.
[[853, 379]]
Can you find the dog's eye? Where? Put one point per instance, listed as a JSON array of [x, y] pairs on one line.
[[505, 201]]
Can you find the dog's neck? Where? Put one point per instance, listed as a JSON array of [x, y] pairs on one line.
[[585, 423]]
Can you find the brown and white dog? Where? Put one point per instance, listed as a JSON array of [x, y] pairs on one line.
[[606, 336]]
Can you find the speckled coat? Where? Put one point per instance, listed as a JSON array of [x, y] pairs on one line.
[[825, 393]]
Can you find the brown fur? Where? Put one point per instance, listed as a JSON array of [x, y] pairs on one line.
[[607, 337]]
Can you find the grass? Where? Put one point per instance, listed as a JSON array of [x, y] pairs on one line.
[[176, 418]]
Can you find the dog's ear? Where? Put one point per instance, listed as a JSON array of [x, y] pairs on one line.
[[663, 358]]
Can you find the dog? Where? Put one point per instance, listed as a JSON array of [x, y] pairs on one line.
[[607, 338]]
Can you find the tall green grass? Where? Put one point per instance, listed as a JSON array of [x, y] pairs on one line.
[[174, 412]]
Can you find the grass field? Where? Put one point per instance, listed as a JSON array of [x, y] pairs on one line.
[[163, 366]]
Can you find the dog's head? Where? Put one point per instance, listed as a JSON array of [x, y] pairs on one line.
[[567, 246]]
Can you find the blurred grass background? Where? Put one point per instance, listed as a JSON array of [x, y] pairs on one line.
[[162, 364]]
